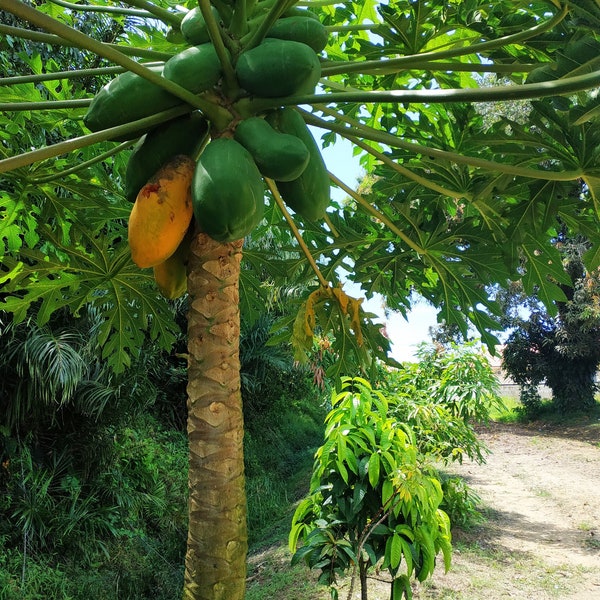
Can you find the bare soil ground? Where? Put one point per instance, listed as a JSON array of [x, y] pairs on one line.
[[540, 491]]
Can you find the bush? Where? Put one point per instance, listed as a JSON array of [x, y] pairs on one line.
[[443, 397], [373, 498]]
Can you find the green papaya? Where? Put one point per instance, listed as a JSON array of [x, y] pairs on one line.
[[280, 156], [126, 98], [227, 191], [193, 26], [174, 36], [278, 68], [300, 29], [183, 135], [171, 275], [197, 68], [309, 194], [296, 11]]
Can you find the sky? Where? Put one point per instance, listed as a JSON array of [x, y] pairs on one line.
[[404, 335]]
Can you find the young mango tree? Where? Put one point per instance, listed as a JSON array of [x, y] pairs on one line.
[[456, 202]]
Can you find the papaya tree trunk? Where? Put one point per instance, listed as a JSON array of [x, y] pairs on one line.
[[215, 564]]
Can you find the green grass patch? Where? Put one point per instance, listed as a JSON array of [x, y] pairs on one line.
[[508, 413], [271, 576]]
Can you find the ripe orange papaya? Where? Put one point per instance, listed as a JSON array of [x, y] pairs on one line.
[[161, 213]]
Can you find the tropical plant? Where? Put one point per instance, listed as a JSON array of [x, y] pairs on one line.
[[454, 207], [372, 498]]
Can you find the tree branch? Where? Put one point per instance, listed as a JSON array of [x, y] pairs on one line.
[[27, 158]]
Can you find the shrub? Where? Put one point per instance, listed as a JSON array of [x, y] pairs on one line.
[[372, 497]]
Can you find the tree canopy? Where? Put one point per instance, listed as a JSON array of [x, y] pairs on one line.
[[457, 203]]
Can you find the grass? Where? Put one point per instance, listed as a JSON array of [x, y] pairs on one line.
[[512, 413], [271, 576], [507, 414]]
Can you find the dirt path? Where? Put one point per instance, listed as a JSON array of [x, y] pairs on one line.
[[541, 539]]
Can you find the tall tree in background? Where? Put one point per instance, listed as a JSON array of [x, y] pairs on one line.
[[562, 351], [455, 207]]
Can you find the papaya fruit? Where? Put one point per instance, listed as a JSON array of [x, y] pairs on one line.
[[126, 98], [227, 191], [296, 11], [183, 135], [278, 68], [174, 36], [300, 29], [171, 275], [193, 26], [280, 156], [309, 194], [197, 68], [162, 213]]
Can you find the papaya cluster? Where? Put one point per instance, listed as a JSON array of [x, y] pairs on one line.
[[185, 176]]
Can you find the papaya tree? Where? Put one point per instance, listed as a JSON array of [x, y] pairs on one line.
[[457, 202]]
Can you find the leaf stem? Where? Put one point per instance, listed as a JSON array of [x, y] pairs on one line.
[[267, 22], [370, 66], [334, 231], [83, 165], [103, 9], [393, 141], [407, 172], [56, 75], [529, 91], [313, 3], [216, 37], [239, 24], [456, 66], [55, 40], [44, 105], [31, 15], [352, 28], [163, 14], [27, 158], [377, 214], [311, 261]]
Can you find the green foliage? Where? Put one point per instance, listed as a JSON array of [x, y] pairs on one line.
[[560, 350], [459, 201], [442, 398], [72, 534], [460, 502], [372, 498], [63, 236], [281, 435]]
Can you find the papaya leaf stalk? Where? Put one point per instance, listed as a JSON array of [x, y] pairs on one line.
[[395, 142], [55, 40]]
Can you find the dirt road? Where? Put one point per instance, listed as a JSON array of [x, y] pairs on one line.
[[540, 490]]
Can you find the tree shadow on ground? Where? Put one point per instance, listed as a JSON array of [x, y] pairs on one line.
[[587, 429]]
